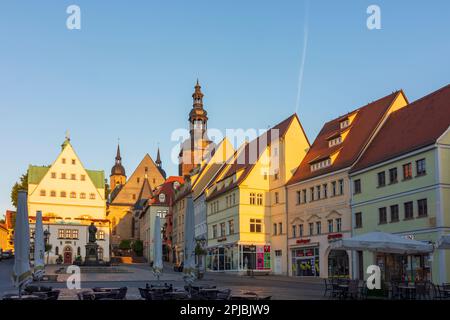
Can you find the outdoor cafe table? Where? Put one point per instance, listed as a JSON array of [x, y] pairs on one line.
[[244, 297], [408, 290], [209, 292]]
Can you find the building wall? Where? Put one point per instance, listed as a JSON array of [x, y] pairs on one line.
[[3, 238], [147, 225], [426, 228], [329, 208], [59, 244]]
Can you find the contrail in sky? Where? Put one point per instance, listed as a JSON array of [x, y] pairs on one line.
[[302, 64]]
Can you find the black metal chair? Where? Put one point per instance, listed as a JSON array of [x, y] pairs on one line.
[[328, 287]]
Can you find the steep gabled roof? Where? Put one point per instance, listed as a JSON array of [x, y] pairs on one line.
[[413, 127], [250, 153], [365, 122]]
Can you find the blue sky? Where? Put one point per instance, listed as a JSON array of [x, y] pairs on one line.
[[130, 71]]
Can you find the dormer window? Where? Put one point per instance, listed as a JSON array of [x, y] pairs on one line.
[[335, 141], [321, 164], [344, 123]]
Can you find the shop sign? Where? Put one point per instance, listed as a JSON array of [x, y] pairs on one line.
[[303, 241], [334, 237]]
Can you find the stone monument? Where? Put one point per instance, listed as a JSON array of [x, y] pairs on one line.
[[91, 258]]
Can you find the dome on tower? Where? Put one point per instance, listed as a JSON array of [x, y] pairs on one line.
[[118, 169]]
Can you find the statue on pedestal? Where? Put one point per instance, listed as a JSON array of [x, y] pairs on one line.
[[92, 233], [91, 247]]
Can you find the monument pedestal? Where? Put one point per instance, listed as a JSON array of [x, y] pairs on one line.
[[91, 258]]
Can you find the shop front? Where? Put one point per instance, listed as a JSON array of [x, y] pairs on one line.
[[399, 267], [305, 261], [238, 257]]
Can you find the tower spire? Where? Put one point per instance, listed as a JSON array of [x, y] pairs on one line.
[[158, 159], [118, 157], [197, 96]]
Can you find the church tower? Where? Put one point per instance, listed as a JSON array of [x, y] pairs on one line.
[[118, 176], [194, 149]]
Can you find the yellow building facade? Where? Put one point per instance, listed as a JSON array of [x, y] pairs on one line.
[[70, 198], [246, 200]]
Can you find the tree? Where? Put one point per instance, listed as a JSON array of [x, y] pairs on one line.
[[125, 245], [22, 185], [138, 247]]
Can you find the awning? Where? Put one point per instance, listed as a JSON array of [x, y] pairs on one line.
[[382, 242], [443, 242]]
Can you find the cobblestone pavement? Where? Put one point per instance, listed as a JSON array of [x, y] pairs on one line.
[[137, 275]]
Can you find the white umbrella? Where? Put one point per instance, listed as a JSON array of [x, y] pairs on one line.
[[189, 241], [443, 242], [157, 248], [21, 270], [39, 247], [382, 242]]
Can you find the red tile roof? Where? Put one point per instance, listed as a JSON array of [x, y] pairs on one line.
[[247, 157], [361, 129], [413, 127]]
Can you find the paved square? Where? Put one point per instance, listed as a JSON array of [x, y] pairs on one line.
[[137, 275]]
